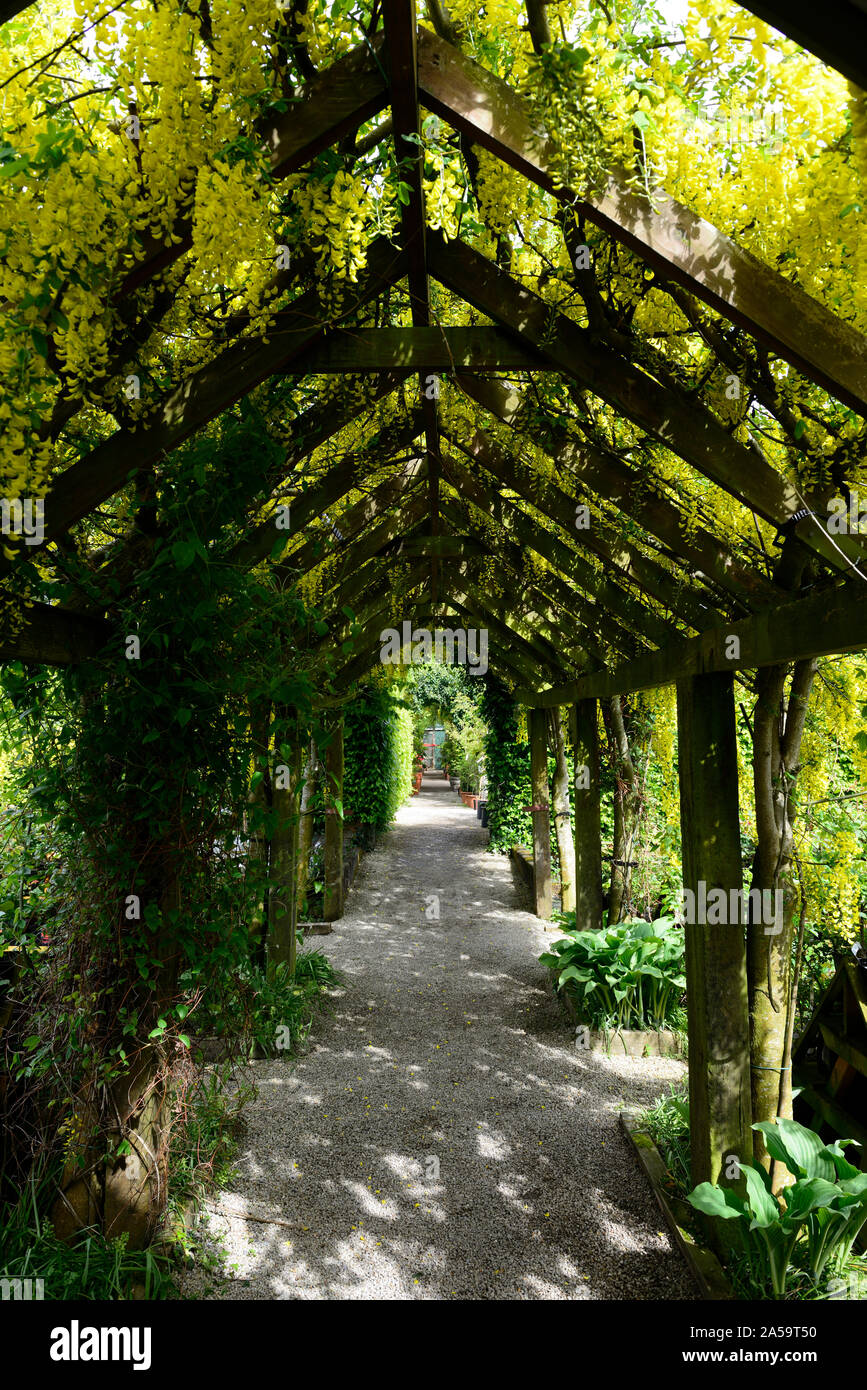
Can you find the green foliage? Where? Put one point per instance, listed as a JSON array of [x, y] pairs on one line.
[[627, 976], [91, 1269], [265, 1008], [815, 1223], [667, 1123], [378, 761]]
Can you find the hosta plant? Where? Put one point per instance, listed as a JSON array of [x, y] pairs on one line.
[[627, 976], [812, 1224]]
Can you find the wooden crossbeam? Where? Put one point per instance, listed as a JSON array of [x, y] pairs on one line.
[[679, 245], [262, 540], [427, 350], [822, 624], [52, 636], [605, 590], [610, 477], [556, 604], [835, 31], [667, 416], [350, 523]]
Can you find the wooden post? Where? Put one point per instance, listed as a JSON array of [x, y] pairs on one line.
[[588, 821], [283, 899], [333, 896], [716, 973], [538, 730], [562, 816]]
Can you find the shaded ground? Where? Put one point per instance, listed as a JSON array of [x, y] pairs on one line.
[[443, 1137]]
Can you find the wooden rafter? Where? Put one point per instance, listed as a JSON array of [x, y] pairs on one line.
[[200, 399], [667, 416], [517, 525], [610, 477], [618, 555], [680, 245], [399, 18], [836, 30]]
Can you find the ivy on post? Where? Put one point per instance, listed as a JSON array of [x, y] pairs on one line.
[[716, 973], [333, 894], [588, 821], [542, 890]]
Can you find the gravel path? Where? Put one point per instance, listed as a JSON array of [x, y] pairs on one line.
[[443, 1137]]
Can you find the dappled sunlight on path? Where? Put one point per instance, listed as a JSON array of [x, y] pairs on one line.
[[443, 1137]]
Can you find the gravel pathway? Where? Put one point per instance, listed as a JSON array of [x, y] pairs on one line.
[[443, 1137]]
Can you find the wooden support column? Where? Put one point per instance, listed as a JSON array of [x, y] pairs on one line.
[[333, 896], [283, 900], [588, 819], [716, 973], [537, 726]]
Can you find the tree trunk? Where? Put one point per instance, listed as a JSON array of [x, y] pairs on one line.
[[562, 817], [777, 732]]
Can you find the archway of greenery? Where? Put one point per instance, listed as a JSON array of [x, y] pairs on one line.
[[542, 319]]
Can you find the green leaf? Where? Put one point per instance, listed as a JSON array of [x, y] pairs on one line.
[[184, 553], [717, 1201]]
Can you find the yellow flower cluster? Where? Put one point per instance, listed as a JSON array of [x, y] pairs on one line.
[[443, 193], [335, 217], [326, 33]]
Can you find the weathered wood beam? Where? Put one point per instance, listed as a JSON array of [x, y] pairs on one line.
[[836, 31], [514, 522], [668, 416], [261, 540], [607, 592], [507, 653], [52, 636], [400, 25], [716, 967], [349, 524], [678, 244], [610, 477], [823, 624], [537, 727], [534, 652], [555, 604], [427, 350], [377, 538]]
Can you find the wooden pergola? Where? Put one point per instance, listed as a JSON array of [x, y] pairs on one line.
[[589, 614]]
